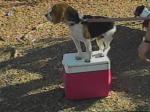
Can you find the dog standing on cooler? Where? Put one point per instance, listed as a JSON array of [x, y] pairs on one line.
[[83, 31]]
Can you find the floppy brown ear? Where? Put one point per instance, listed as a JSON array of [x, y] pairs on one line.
[[59, 11]]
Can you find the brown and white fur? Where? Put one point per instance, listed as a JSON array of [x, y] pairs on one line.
[[144, 47], [83, 31]]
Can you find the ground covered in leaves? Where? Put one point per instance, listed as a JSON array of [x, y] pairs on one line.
[[30, 75]]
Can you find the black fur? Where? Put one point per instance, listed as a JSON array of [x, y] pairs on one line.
[[97, 28], [139, 10], [73, 16]]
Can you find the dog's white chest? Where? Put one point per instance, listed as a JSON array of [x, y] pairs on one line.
[[77, 32]]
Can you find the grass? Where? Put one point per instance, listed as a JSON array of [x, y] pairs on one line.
[[30, 81]]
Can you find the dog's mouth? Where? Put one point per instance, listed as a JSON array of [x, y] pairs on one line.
[[52, 18]]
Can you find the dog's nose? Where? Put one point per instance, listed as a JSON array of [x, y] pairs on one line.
[[46, 15]]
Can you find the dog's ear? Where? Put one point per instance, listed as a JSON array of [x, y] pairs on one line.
[[72, 15], [139, 10], [58, 12], [55, 13]]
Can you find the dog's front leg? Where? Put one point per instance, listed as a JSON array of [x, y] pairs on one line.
[[101, 46], [78, 47], [88, 50]]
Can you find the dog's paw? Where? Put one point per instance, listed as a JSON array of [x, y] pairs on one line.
[[78, 57], [99, 55], [87, 60]]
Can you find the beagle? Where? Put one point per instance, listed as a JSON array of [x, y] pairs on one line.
[[82, 31]]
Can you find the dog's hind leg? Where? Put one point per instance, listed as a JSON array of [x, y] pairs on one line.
[[108, 37], [107, 41], [100, 44], [88, 50]]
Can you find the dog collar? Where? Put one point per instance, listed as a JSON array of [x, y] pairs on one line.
[[74, 22], [145, 13]]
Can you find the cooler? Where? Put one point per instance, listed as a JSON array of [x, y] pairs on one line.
[[86, 80]]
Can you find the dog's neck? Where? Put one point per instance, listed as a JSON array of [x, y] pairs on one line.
[[72, 23], [145, 13]]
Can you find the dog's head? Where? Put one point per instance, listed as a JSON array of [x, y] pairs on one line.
[[62, 13], [141, 11]]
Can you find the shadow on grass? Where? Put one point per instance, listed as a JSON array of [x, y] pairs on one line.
[[125, 65], [45, 61], [15, 97], [47, 101]]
